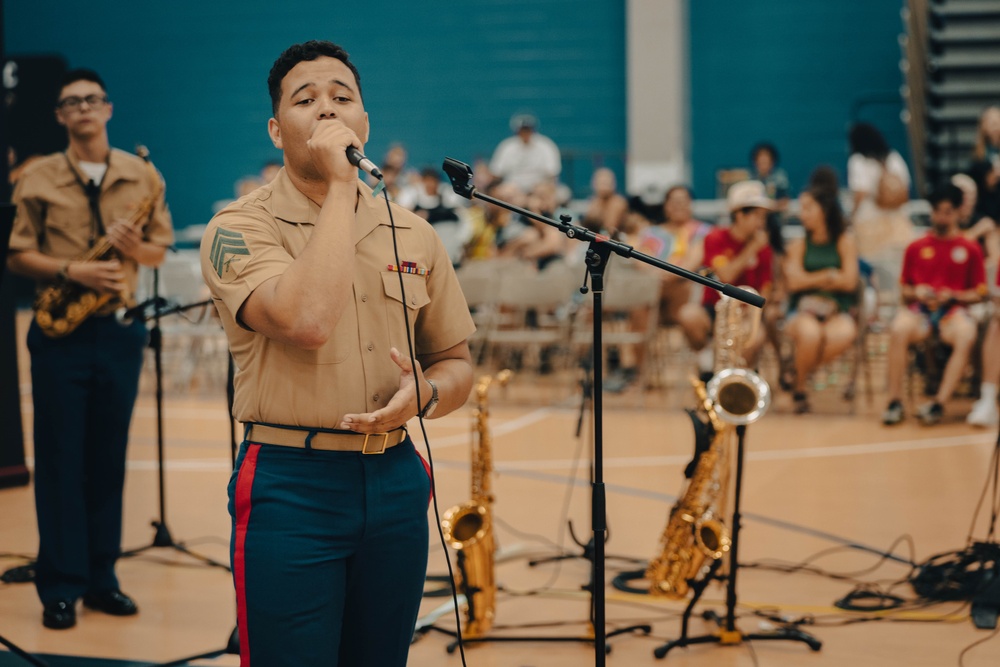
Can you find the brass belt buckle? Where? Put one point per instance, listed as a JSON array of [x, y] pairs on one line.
[[380, 450]]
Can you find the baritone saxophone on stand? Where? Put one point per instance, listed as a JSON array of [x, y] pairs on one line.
[[63, 306], [695, 533], [468, 528]]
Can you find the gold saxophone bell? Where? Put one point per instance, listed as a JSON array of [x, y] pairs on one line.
[[466, 525], [740, 395]]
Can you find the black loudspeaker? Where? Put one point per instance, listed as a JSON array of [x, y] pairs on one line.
[[31, 85], [986, 602]]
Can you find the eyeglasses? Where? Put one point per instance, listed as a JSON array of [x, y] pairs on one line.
[[73, 103]]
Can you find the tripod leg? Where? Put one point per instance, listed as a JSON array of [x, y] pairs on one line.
[[21, 653]]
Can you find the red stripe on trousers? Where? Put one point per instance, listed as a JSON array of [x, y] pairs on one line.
[[244, 485], [427, 467]]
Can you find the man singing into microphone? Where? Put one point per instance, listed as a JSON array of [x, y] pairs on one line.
[[329, 496]]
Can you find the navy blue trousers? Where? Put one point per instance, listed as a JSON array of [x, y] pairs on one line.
[[329, 554], [84, 388]]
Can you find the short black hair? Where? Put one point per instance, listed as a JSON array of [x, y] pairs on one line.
[[764, 146], [297, 53], [82, 74], [946, 191], [866, 139]]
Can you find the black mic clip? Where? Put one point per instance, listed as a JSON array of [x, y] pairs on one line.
[[156, 303], [460, 175]]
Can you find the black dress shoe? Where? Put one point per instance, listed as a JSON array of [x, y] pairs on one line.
[[59, 615], [113, 602]]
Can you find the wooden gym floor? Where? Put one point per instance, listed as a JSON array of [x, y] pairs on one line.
[[812, 483]]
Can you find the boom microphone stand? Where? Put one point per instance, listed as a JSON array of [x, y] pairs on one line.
[[587, 553], [162, 536], [598, 252]]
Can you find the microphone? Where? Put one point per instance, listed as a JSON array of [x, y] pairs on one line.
[[357, 158]]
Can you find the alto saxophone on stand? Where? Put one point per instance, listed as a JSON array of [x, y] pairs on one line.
[[63, 306], [468, 528]]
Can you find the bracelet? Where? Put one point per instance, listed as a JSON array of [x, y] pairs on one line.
[[63, 272]]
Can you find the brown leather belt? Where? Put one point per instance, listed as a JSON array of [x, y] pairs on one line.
[[366, 443]]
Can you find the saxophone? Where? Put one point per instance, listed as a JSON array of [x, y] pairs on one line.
[[61, 307], [468, 528], [735, 395]]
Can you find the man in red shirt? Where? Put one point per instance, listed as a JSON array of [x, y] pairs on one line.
[[943, 272], [739, 255]]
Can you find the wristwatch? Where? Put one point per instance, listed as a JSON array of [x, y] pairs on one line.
[[62, 274], [431, 404]]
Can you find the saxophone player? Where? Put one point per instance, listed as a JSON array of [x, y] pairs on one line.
[[84, 385]]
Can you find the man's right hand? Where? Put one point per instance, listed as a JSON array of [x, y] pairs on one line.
[[758, 241], [328, 148], [106, 277]]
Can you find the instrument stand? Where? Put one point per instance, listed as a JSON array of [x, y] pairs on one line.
[[728, 633], [233, 643], [598, 252], [232, 648], [162, 538], [21, 653]]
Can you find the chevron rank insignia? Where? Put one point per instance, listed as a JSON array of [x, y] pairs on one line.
[[227, 246]]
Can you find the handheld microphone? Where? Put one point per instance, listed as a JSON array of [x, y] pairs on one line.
[[357, 158]]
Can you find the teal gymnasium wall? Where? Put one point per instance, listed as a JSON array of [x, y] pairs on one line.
[[188, 78], [796, 73]]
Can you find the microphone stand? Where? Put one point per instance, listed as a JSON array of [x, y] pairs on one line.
[[232, 646], [598, 252], [162, 536]]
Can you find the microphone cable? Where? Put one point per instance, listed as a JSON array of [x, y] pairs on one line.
[[423, 429]]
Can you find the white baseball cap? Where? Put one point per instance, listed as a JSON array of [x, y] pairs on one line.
[[748, 194]]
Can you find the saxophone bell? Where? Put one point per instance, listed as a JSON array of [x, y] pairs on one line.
[[740, 395], [712, 536], [466, 525]]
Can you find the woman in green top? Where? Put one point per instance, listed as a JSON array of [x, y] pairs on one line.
[[821, 272]]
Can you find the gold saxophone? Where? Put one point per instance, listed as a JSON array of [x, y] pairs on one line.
[[468, 528], [695, 532], [63, 306]]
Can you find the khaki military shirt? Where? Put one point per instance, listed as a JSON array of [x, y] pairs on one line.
[[257, 237], [54, 216]]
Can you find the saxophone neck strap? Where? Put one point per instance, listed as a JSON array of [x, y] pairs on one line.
[[93, 192]]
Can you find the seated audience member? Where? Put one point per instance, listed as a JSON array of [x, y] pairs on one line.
[[985, 164], [670, 233], [943, 273], [527, 157], [606, 209], [739, 255], [441, 207], [540, 243], [493, 226], [984, 411], [821, 274], [677, 240], [880, 181], [764, 158], [974, 223]]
